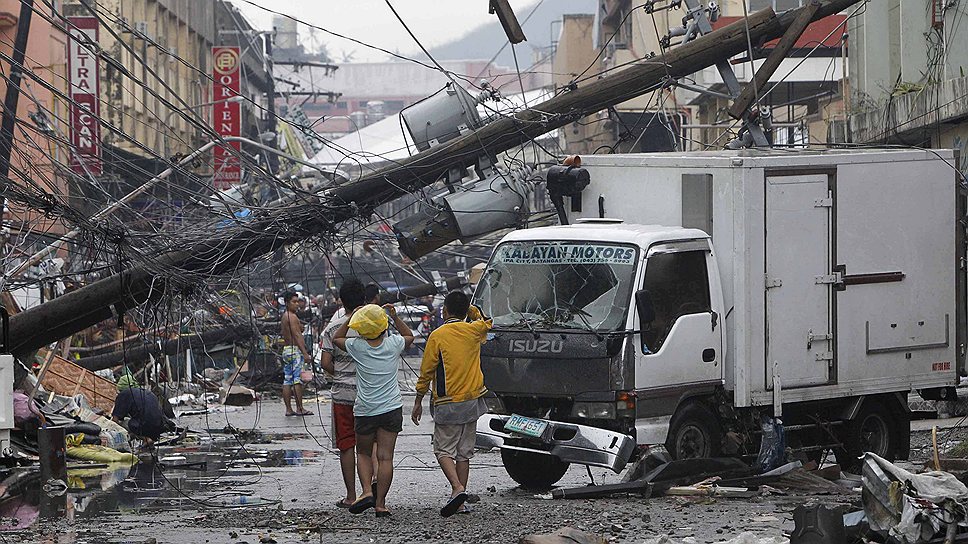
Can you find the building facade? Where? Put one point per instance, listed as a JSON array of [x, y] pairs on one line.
[[804, 95], [42, 117], [908, 67]]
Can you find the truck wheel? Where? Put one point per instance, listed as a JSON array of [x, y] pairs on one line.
[[694, 432], [872, 430], [535, 471]]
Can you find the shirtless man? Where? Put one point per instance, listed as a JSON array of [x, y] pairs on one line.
[[293, 354]]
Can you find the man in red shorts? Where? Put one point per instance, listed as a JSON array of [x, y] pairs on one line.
[[340, 364]]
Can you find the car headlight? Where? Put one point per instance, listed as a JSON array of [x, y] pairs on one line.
[[594, 410]]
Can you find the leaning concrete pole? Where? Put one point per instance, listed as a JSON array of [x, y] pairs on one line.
[[231, 248]]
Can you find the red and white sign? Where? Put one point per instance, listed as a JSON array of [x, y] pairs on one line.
[[226, 115], [82, 69]]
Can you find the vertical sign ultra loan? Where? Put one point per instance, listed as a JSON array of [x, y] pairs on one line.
[[82, 71], [226, 115]]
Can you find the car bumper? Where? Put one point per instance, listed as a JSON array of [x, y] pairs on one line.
[[569, 442]]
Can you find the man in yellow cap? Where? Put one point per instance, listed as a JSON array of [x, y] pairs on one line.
[[378, 410]]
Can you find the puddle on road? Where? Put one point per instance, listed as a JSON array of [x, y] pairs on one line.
[[212, 475]]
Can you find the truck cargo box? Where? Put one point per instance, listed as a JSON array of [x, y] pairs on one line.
[[841, 270]]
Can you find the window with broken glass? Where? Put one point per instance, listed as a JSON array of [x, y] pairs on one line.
[[678, 285], [574, 285]]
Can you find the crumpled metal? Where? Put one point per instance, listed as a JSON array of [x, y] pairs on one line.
[[911, 508]]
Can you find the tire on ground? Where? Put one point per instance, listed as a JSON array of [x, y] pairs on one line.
[[535, 471], [694, 432], [874, 430]]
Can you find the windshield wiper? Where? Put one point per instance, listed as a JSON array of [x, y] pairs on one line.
[[575, 310], [527, 323]]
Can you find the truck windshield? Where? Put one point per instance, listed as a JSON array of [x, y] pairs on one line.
[[554, 284]]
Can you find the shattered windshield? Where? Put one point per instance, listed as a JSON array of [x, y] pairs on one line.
[[558, 284]]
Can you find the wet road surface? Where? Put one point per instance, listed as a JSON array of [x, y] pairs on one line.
[[277, 478]]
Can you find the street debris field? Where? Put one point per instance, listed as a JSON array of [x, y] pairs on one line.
[[251, 474], [661, 272]]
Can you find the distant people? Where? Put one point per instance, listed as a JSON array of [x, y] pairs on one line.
[[372, 292], [378, 411], [342, 367], [142, 409], [371, 295], [452, 361], [294, 353]]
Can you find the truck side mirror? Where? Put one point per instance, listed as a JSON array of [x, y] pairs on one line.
[[643, 303]]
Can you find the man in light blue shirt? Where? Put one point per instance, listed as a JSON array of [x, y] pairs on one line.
[[378, 410]]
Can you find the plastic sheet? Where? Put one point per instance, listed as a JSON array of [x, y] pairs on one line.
[[911, 508], [772, 446], [101, 454]]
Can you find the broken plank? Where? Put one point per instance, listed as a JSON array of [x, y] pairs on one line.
[[638, 487], [712, 491]]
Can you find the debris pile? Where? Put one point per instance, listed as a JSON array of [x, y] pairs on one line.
[[912, 508]]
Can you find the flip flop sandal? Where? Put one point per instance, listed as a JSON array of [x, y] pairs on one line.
[[453, 505], [383, 514], [305, 413], [292, 414], [342, 504], [362, 505]]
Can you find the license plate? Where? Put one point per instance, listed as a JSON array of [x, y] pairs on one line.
[[526, 426]]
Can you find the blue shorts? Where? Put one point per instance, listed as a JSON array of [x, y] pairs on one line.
[[292, 362]]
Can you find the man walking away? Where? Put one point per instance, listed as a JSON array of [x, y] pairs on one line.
[[142, 407], [343, 369], [293, 354], [452, 361], [378, 411]]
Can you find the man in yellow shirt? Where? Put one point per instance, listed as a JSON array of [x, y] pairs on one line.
[[452, 361]]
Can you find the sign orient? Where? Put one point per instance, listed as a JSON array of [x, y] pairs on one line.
[[226, 115]]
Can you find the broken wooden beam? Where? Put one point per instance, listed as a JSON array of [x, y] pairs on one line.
[[638, 487]]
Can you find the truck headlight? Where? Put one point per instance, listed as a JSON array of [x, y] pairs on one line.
[[494, 404], [594, 410]]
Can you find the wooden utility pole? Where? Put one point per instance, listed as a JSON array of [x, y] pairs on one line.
[[232, 247], [762, 77], [12, 97]]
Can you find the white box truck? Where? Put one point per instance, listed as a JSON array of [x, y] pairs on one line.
[[706, 291]]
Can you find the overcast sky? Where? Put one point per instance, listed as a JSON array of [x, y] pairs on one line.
[[433, 21]]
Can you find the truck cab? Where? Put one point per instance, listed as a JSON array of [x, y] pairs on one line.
[[597, 327]]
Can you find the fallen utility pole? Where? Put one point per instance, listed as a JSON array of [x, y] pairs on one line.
[[745, 99], [138, 351], [299, 220], [135, 355]]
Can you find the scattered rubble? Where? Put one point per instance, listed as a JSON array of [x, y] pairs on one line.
[[565, 535], [742, 538]]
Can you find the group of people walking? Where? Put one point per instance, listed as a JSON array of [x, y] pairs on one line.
[[363, 357]]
